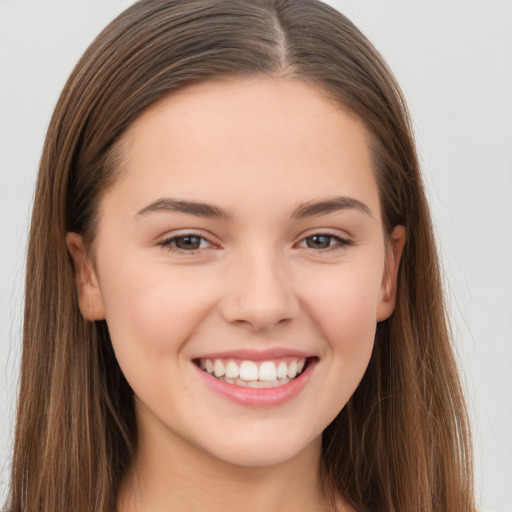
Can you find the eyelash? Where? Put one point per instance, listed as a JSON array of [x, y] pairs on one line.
[[170, 243], [340, 242]]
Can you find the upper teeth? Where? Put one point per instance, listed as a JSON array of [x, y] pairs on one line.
[[253, 371]]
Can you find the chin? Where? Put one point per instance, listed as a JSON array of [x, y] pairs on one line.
[[264, 450]]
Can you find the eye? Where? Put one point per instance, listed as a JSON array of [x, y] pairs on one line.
[[324, 241], [188, 242]]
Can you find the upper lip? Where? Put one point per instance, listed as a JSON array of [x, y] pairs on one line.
[[256, 355]]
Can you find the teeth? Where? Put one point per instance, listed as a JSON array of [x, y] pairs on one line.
[[218, 368], [248, 373], [267, 371], [256, 383], [248, 370], [232, 370], [282, 370], [292, 369]]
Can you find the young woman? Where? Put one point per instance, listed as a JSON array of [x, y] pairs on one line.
[[233, 296]]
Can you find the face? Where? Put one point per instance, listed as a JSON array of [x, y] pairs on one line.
[[241, 266]]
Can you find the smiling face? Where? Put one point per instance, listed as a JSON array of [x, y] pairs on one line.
[[241, 266]]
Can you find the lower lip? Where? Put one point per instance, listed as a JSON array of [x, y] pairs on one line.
[[258, 397]]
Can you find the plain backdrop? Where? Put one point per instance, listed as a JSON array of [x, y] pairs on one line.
[[453, 59]]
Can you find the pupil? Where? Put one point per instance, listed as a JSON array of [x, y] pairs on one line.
[[188, 242], [319, 242]]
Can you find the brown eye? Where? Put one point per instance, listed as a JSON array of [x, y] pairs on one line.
[[185, 243], [188, 243], [324, 242], [319, 241]]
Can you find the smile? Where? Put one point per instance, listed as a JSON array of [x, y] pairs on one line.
[[254, 374]]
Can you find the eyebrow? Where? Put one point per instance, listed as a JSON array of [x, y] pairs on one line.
[[329, 205], [189, 207], [309, 209]]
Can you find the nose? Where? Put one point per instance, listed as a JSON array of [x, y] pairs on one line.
[[259, 293]]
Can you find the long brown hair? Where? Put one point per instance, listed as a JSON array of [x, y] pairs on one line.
[[402, 442]]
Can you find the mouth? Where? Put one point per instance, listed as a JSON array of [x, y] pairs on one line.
[[249, 373]]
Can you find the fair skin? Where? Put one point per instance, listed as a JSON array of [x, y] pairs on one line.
[[288, 263]]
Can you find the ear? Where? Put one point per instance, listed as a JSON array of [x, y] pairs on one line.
[[387, 299], [90, 299]]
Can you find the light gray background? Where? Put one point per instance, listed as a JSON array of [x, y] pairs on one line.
[[453, 59]]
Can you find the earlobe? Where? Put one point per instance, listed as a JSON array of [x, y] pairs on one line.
[[90, 299], [387, 300]]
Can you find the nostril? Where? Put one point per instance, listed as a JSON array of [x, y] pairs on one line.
[[260, 300]]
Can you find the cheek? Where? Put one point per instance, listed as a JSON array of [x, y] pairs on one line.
[[150, 313], [345, 302], [150, 316], [344, 311], [343, 307]]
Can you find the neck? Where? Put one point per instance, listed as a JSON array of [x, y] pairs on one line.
[[180, 477]]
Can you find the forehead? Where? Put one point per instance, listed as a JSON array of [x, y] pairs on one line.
[[282, 140]]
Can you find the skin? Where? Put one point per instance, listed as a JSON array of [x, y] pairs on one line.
[[259, 282]]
